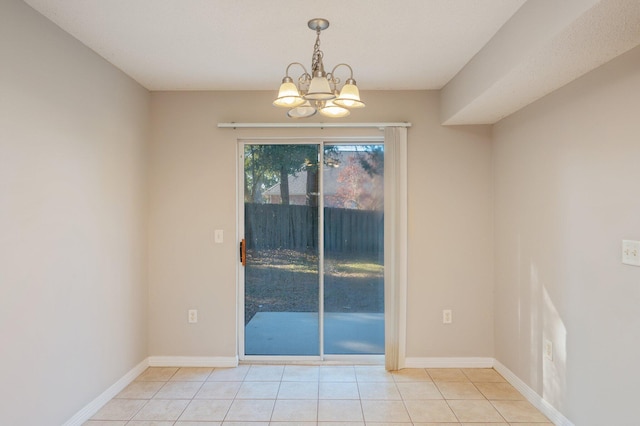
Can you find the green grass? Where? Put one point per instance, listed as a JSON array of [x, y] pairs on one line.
[[287, 281], [352, 269]]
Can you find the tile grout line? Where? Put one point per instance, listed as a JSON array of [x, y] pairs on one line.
[[364, 420], [275, 402], [451, 408], [318, 400]]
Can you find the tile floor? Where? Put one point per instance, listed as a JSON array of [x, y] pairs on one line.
[[294, 395]]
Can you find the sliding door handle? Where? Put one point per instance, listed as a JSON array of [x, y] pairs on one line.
[[243, 252]]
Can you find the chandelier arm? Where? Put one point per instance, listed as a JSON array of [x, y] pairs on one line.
[[333, 71], [304, 78], [333, 81], [295, 63]]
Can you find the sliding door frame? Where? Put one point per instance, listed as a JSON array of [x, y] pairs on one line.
[[401, 307]]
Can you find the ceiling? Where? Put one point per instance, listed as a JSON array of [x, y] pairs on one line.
[[391, 44], [247, 44]]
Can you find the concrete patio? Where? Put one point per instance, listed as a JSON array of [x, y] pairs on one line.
[[296, 333]]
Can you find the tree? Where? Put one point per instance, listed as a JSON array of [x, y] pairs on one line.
[[272, 164], [361, 180], [258, 173], [373, 161]]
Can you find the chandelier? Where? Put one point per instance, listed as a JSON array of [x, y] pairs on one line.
[[318, 91]]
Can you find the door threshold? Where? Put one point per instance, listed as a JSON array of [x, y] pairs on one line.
[[304, 360]]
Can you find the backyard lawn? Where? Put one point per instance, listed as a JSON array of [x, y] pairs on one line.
[[278, 280]]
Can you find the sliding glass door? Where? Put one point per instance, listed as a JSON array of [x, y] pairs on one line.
[[313, 231], [353, 249], [281, 285]]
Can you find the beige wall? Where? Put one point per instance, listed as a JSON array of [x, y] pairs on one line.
[[73, 134], [193, 192], [567, 174]]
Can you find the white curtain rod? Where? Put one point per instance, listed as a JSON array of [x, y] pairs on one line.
[[309, 125]]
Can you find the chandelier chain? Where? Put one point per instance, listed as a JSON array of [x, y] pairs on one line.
[[316, 60]]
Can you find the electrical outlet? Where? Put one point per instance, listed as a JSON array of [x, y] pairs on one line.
[[631, 252], [447, 317], [548, 350], [193, 316]]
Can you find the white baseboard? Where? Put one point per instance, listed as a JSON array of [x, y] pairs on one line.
[[155, 361], [193, 361], [536, 400], [547, 409], [90, 409], [454, 362]]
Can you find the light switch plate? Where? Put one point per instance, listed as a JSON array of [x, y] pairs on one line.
[[219, 236], [631, 252]]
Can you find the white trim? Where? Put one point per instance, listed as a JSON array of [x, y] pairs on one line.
[[240, 312], [449, 362], [193, 361], [91, 408], [314, 360], [536, 400], [310, 125], [355, 359], [333, 140], [280, 359], [321, 253]]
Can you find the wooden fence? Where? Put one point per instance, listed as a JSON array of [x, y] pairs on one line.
[[294, 227]]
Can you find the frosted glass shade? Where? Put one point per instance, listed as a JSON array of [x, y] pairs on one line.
[[303, 111], [288, 96], [332, 110], [319, 90], [349, 97]]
